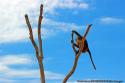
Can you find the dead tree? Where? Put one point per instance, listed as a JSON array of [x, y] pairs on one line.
[[82, 45], [38, 48]]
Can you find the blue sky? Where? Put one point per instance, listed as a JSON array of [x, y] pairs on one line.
[[18, 63]]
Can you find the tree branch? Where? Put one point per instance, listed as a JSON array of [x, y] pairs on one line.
[[31, 36], [40, 46], [87, 30], [39, 31], [73, 68], [84, 36]]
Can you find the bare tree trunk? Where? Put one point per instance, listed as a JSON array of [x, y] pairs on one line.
[[39, 52], [42, 75], [73, 68]]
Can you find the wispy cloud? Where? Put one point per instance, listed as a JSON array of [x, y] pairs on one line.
[[12, 23], [56, 25], [12, 19], [4, 80], [53, 76], [50, 5], [111, 20], [15, 59], [7, 60], [8, 72]]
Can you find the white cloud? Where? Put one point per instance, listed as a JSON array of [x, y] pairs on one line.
[[53, 76], [3, 68], [83, 5], [111, 20], [15, 59], [12, 22], [4, 80], [72, 4], [7, 60], [7, 72], [30, 73], [12, 19], [68, 4], [22, 73], [61, 25]]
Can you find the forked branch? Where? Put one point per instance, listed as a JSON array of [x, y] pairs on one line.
[[39, 53]]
